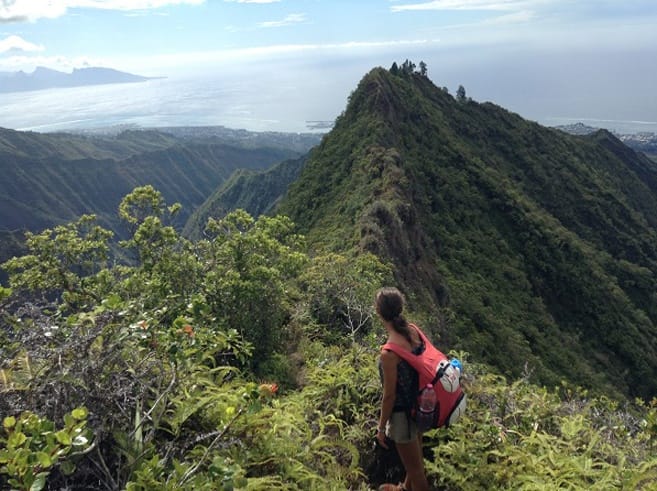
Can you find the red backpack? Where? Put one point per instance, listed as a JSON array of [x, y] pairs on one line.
[[435, 369]]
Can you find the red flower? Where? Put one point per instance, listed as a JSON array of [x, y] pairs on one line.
[[268, 390], [189, 330]]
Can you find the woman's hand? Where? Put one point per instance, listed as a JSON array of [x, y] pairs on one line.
[[381, 437]]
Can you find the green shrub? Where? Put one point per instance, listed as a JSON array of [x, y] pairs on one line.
[[31, 447]]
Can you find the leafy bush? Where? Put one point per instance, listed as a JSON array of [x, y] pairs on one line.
[[32, 447], [520, 436], [238, 362]]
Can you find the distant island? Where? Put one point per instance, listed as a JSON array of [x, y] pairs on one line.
[[45, 78]]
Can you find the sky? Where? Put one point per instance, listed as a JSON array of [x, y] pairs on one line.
[[542, 58]]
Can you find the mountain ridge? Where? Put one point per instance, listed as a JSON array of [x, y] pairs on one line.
[[519, 238], [46, 78], [256, 192], [54, 178]]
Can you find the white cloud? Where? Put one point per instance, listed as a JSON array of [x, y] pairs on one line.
[[253, 1], [467, 5], [31, 10], [61, 63], [130, 4], [514, 11], [515, 17], [144, 13], [165, 64], [23, 10], [17, 43], [290, 19], [282, 50]]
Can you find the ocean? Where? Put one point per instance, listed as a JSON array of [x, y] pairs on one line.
[[224, 101], [279, 102]]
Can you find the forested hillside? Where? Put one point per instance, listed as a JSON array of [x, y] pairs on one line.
[[257, 192], [529, 248], [49, 179]]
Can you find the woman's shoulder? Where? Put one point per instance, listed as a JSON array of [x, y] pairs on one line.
[[389, 357], [387, 354]]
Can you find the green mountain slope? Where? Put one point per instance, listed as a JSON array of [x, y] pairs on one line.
[[533, 249], [53, 178], [257, 192], [67, 146]]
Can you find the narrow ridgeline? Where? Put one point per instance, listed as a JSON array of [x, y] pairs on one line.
[[535, 249]]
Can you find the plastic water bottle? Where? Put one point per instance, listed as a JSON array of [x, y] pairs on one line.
[[426, 408], [457, 364]]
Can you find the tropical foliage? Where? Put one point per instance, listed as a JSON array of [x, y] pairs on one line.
[[241, 362]]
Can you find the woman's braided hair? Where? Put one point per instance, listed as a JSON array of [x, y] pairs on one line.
[[389, 303]]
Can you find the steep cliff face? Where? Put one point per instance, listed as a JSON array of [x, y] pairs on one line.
[[534, 249]]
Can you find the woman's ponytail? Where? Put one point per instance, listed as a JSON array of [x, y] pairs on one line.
[[401, 326], [389, 303]]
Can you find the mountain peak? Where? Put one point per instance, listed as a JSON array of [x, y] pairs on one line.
[[518, 237], [386, 94]]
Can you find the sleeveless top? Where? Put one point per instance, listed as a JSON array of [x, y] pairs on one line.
[[407, 383]]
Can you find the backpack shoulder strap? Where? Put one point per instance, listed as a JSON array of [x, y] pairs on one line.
[[420, 333], [413, 360]]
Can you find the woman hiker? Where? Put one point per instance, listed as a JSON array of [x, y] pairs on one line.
[[400, 388]]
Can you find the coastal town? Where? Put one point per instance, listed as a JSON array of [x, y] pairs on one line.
[[645, 141]]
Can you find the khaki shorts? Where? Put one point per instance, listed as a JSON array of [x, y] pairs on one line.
[[401, 428]]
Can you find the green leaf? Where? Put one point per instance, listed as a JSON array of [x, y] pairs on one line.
[[112, 302], [63, 437], [16, 439], [44, 460], [80, 413], [67, 467], [4, 292], [9, 422], [39, 482]]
